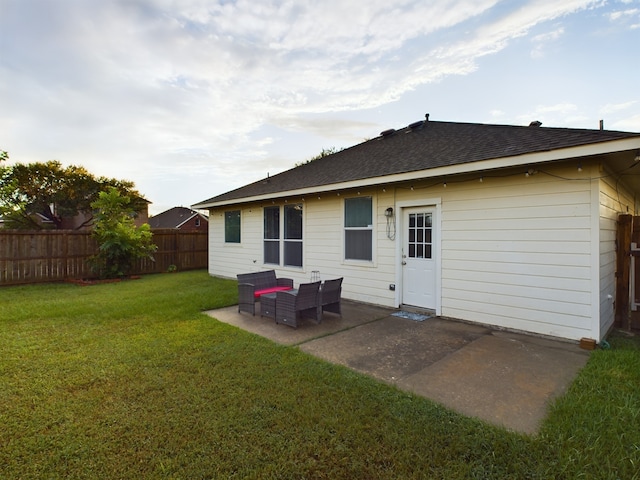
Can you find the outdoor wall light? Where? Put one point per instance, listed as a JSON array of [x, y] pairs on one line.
[[388, 212]]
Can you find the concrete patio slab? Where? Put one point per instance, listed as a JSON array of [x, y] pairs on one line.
[[354, 314], [392, 348], [504, 378]]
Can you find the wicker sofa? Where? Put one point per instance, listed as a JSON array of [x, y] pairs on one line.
[[252, 285]]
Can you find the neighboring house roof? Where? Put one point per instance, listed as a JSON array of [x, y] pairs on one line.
[[174, 218], [426, 146]]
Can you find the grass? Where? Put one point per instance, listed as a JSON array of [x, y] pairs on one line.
[[131, 380]]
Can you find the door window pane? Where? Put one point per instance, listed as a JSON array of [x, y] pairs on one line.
[[420, 235]]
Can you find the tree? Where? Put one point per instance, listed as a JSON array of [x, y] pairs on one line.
[[49, 191], [324, 153], [120, 242]]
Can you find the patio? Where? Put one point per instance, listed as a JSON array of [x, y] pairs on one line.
[[501, 377]]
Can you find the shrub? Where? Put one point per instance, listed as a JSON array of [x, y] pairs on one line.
[[120, 242]]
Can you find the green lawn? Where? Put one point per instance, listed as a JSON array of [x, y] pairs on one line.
[[130, 380]]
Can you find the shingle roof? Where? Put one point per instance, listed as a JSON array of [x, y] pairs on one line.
[[422, 146], [172, 218]]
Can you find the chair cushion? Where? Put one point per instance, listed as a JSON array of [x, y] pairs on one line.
[[264, 291]]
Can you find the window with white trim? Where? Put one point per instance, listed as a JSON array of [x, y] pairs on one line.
[[358, 228], [283, 240], [232, 226]]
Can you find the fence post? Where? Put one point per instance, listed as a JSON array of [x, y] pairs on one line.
[[623, 266]]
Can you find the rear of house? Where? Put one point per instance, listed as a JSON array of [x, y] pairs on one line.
[[507, 226]]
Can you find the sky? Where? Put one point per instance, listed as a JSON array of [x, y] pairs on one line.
[[190, 99]]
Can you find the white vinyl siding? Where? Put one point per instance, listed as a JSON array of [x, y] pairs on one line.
[[517, 253], [363, 281], [613, 200], [228, 259]]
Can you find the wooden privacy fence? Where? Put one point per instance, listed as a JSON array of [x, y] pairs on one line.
[[627, 304], [58, 255]]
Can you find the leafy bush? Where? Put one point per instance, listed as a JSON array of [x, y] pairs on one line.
[[120, 241]]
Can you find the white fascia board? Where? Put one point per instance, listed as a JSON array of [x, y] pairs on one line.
[[471, 167], [182, 223]]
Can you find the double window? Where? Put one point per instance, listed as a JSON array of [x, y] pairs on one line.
[[283, 235], [358, 228]]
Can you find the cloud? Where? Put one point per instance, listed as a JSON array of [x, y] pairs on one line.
[[629, 18], [162, 79], [621, 14], [542, 40], [618, 107], [494, 36], [213, 70], [552, 115], [629, 124], [329, 127], [152, 89]]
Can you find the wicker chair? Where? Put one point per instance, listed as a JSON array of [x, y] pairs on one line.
[[294, 304], [330, 296]]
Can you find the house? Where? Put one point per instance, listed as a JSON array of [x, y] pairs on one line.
[[511, 226], [86, 221], [49, 218], [181, 218]]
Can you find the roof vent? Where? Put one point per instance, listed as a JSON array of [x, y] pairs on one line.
[[388, 133], [416, 125], [535, 123]]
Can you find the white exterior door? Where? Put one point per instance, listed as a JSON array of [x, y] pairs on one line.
[[418, 258]]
